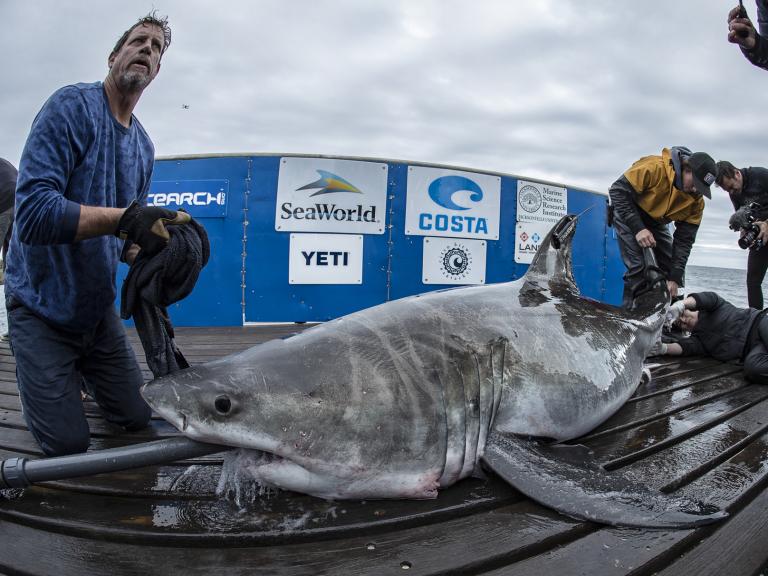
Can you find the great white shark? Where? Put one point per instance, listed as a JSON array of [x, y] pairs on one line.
[[407, 397]]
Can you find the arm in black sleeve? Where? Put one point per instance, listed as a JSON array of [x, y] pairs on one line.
[[762, 17], [755, 190], [758, 55], [684, 237], [691, 346], [707, 301], [623, 201]]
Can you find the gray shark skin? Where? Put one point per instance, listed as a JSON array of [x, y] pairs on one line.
[[399, 400]]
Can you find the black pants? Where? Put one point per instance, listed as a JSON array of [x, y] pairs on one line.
[[756, 362], [632, 254], [757, 264], [50, 366]]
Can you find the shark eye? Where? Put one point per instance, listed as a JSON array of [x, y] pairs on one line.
[[222, 404]]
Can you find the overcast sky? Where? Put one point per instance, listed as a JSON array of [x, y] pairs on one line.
[[563, 90]]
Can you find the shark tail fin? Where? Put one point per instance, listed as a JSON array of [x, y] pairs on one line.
[[569, 480]]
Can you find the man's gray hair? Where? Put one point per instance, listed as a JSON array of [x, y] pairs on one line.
[[151, 19]]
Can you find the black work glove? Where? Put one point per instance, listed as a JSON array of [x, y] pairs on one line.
[[146, 226]]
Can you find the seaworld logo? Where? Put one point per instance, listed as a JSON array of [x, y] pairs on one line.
[[328, 212], [442, 191], [189, 198], [329, 183]]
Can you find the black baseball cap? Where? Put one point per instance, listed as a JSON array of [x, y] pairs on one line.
[[704, 172]]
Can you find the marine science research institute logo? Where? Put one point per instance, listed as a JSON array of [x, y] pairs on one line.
[[329, 183], [530, 198], [446, 192]]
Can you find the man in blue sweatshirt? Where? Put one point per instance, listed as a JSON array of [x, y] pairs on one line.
[[83, 181]]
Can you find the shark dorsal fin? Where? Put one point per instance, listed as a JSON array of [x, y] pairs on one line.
[[552, 266]]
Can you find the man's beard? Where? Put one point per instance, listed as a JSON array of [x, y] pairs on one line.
[[133, 81]]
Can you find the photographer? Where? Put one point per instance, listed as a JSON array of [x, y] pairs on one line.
[[742, 32], [720, 330], [748, 190]]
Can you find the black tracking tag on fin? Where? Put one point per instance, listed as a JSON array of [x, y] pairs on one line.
[[569, 480]]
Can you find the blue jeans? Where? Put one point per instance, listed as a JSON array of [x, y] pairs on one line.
[[51, 363]]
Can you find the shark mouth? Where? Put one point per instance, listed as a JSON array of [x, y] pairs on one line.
[[241, 482]]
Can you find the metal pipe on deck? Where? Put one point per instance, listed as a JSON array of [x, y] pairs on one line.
[[23, 472]]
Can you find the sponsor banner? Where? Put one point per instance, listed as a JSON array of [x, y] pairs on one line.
[[326, 195], [325, 259], [451, 261], [528, 238], [201, 198], [538, 202], [453, 204]]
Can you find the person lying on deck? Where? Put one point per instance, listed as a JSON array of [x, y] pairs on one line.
[[719, 329]]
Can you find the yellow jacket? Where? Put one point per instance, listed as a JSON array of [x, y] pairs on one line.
[[653, 178]]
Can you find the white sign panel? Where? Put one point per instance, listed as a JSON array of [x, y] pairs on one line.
[[326, 259], [538, 202], [450, 261], [452, 204], [327, 195], [528, 238]]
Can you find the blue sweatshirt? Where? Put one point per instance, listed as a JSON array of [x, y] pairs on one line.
[[77, 153]]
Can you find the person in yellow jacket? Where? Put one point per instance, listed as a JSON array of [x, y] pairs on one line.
[[653, 192]]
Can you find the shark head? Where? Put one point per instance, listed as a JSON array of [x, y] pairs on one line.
[[236, 401]]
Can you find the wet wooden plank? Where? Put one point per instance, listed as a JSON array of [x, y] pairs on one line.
[[167, 518], [186, 510], [654, 435], [738, 547], [467, 544], [607, 552], [661, 385], [99, 427], [633, 414]]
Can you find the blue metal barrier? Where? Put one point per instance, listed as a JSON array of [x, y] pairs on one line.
[[283, 229]]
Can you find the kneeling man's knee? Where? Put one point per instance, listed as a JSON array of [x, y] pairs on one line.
[[140, 419], [66, 445]]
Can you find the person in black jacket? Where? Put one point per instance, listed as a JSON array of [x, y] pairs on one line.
[[720, 330], [8, 176], [746, 186], [742, 32]]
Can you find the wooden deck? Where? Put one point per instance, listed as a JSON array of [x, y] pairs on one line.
[[697, 429]]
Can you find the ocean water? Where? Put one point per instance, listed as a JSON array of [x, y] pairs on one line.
[[730, 284]]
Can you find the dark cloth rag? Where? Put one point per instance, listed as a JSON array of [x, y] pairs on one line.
[[153, 283]]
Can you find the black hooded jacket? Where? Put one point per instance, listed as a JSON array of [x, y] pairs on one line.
[[8, 176], [754, 189], [723, 331]]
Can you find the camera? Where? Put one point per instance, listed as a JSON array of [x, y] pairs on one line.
[[742, 14], [744, 219]]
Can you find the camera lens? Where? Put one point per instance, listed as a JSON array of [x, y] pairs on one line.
[[749, 237]]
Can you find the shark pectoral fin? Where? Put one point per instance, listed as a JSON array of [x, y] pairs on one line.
[[569, 480]]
